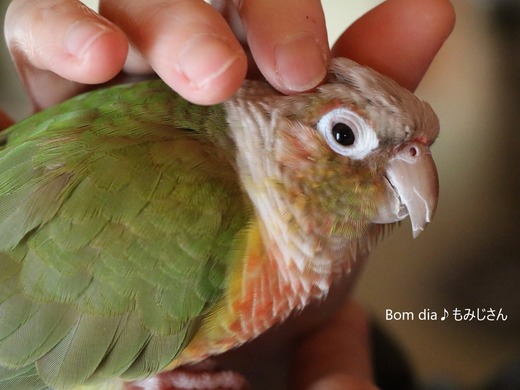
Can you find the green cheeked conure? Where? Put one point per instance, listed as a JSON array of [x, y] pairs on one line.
[[140, 232]]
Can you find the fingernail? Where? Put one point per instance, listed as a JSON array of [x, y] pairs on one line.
[[81, 35], [205, 57], [300, 63]]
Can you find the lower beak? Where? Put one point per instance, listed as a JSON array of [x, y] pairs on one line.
[[412, 188]]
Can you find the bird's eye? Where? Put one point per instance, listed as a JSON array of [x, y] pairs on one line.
[[347, 133], [343, 134]]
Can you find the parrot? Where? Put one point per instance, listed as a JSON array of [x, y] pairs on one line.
[[140, 233]]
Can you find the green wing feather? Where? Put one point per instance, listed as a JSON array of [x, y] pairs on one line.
[[115, 234], [25, 378]]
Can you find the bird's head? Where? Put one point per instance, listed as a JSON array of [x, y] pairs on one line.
[[353, 153]]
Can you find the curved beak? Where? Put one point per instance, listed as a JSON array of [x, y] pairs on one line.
[[412, 188]]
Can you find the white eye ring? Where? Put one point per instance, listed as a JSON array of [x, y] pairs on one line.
[[347, 133]]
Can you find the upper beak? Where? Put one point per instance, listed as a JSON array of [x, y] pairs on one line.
[[412, 188]]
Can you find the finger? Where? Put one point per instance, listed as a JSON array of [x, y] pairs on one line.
[[337, 355], [188, 44], [288, 40], [51, 40], [399, 38]]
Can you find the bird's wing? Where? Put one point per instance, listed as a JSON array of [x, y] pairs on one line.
[[116, 231]]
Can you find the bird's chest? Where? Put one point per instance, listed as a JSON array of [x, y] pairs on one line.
[[263, 289]]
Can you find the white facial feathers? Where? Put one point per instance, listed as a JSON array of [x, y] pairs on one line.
[[347, 133]]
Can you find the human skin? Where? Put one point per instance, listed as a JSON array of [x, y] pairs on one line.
[[59, 46]]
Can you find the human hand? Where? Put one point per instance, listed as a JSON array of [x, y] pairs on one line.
[[58, 45]]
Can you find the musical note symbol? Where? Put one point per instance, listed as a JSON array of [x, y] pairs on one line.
[[446, 315]]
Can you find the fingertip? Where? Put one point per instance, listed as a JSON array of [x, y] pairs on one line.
[[290, 46], [399, 38], [208, 70], [66, 38], [187, 43], [213, 91], [57, 45], [294, 72], [95, 51]]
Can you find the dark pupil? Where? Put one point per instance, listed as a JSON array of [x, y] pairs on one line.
[[343, 134]]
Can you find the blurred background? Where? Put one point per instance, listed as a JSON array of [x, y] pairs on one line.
[[469, 257]]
